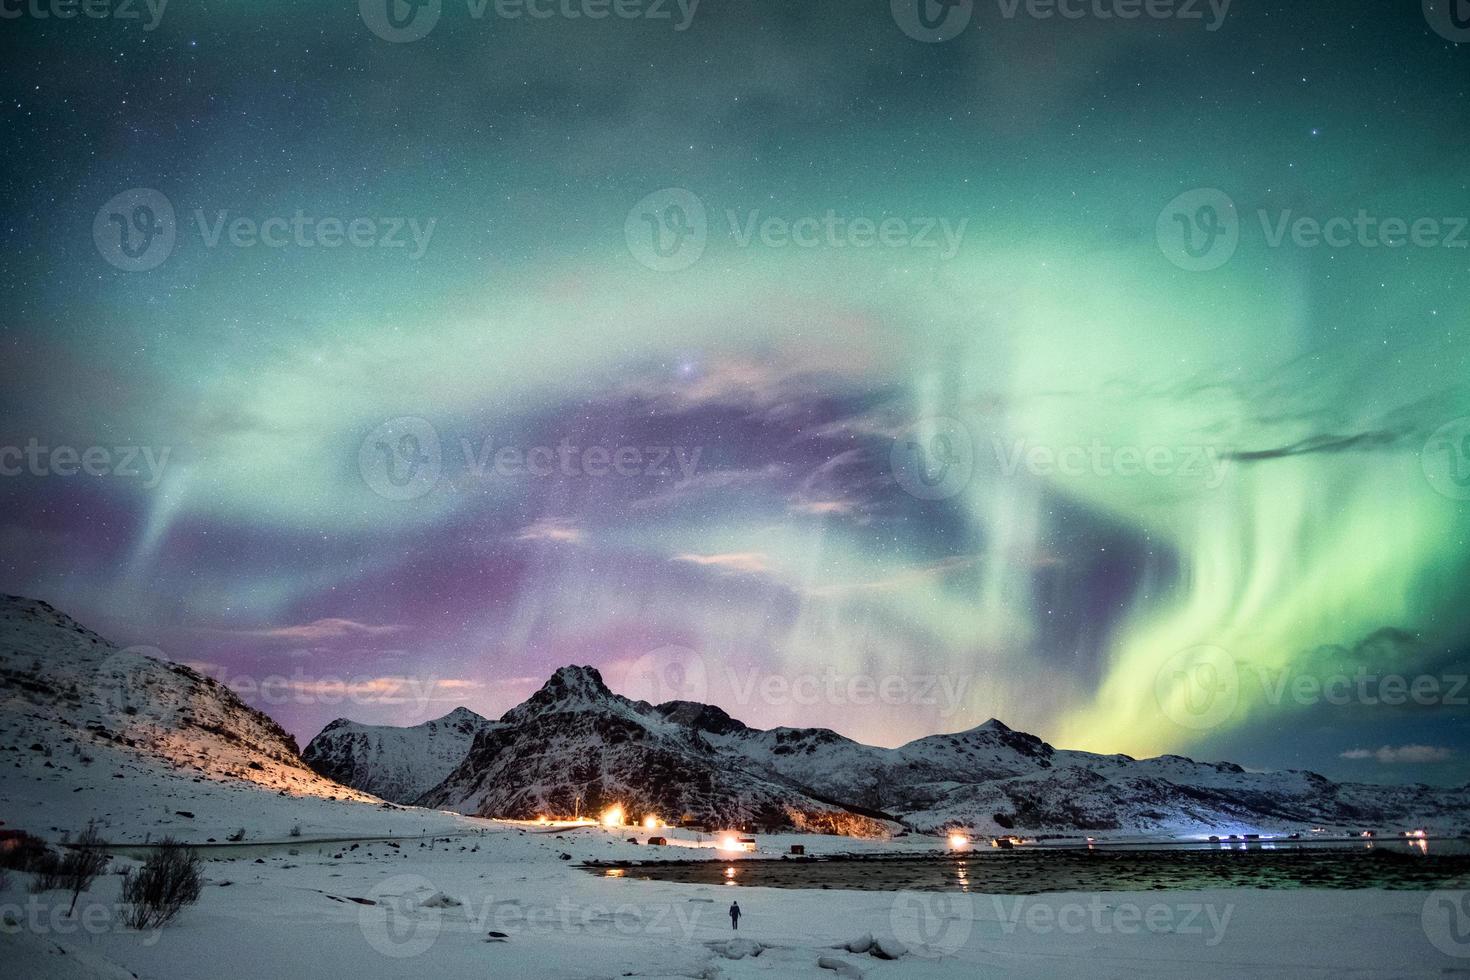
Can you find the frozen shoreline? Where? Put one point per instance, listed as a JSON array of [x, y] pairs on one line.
[[283, 918], [408, 907]]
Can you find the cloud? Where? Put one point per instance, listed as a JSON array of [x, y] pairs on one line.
[[772, 387], [1389, 755], [319, 631], [710, 482], [824, 508], [826, 493], [554, 529], [1321, 444], [913, 576], [737, 562], [370, 690]]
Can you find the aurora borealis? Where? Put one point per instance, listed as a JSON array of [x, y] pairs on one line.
[[724, 446]]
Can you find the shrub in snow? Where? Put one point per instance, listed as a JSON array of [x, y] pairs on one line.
[[81, 865], [47, 869], [169, 880]]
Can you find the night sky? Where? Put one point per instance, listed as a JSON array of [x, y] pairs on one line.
[[989, 362]]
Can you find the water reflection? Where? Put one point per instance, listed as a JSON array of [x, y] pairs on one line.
[[1356, 864]]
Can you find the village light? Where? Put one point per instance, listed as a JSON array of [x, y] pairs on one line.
[[729, 844], [958, 842], [612, 816], [651, 823]]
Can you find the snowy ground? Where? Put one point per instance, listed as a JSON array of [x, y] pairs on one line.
[[283, 915]]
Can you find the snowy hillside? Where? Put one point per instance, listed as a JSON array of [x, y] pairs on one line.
[[146, 746], [397, 764]]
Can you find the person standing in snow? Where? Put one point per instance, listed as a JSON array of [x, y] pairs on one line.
[[735, 916]]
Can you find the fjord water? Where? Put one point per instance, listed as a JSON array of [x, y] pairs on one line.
[[1028, 871]]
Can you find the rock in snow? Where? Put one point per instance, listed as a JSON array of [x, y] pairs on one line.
[[841, 967]]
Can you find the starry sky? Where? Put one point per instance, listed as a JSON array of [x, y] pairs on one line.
[[769, 354]]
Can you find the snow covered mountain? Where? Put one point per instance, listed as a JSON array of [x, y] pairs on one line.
[[91, 730], [574, 736], [575, 746], [398, 764], [993, 779]]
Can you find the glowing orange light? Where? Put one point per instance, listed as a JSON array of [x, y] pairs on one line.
[[729, 844], [612, 816], [651, 823], [958, 842]]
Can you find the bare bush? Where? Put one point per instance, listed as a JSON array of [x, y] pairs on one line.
[[82, 864], [169, 880], [45, 864]]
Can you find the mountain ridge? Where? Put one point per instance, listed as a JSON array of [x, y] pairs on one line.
[[576, 746]]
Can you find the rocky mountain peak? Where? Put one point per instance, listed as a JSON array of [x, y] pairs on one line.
[[571, 688], [461, 716], [577, 682]]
